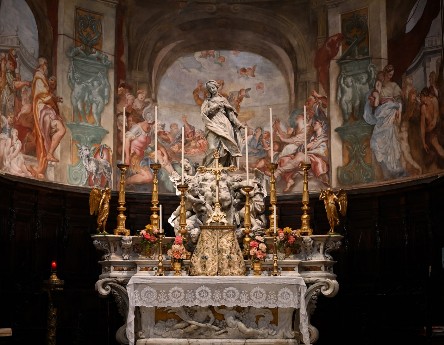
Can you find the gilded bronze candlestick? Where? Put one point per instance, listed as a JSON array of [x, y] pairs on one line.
[[273, 199], [275, 271], [183, 212], [121, 218], [160, 271], [247, 220], [305, 229], [154, 218]]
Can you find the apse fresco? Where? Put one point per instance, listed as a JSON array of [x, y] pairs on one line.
[[18, 61], [392, 126], [35, 119], [369, 119], [253, 86]]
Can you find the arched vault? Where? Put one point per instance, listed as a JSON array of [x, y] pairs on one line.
[[161, 32]]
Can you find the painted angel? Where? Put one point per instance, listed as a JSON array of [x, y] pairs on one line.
[[331, 201], [99, 205]]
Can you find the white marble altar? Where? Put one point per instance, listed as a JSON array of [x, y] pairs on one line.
[[255, 295], [124, 259]]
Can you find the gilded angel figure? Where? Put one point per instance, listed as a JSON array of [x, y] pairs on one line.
[[99, 205], [331, 201]]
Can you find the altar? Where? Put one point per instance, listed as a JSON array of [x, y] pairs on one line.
[[143, 298], [255, 295], [225, 277]]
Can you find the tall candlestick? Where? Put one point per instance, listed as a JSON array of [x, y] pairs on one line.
[[271, 134], [274, 218], [155, 134], [160, 220], [123, 136], [183, 152], [305, 134], [246, 155]]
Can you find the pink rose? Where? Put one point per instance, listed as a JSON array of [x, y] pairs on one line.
[[260, 255], [254, 244], [178, 240]]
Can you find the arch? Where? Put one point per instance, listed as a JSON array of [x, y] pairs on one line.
[[240, 27]]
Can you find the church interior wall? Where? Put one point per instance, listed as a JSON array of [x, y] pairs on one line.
[[389, 267], [285, 86]]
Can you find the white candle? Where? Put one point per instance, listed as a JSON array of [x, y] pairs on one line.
[[123, 136], [155, 134], [160, 220], [274, 218], [246, 155], [183, 153], [305, 134], [271, 134]]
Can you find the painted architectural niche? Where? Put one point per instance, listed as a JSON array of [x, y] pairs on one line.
[[88, 80]]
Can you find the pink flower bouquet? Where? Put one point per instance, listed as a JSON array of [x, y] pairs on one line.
[[258, 248]]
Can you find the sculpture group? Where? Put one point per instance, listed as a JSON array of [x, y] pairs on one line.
[[220, 225]]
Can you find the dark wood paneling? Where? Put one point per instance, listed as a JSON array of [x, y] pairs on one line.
[[392, 235]]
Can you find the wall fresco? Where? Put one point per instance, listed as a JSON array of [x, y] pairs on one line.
[[252, 85], [391, 128], [387, 121]]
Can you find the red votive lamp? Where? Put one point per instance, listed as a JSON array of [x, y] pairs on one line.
[[53, 265]]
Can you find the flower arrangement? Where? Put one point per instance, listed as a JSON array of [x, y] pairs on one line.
[[149, 237], [258, 248], [286, 240], [177, 250]]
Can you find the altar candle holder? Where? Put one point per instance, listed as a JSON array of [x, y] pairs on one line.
[[275, 271], [305, 229], [183, 214], [273, 199], [160, 270], [154, 218], [247, 221], [121, 218]]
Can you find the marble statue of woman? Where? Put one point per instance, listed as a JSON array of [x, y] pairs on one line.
[[222, 128]]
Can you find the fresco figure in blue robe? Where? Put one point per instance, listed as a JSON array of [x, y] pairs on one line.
[[386, 117]]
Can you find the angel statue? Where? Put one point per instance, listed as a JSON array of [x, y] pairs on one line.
[[331, 200], [99, 205]]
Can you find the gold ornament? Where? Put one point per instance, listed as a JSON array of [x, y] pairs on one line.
[[99, 205], [331, 201]]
